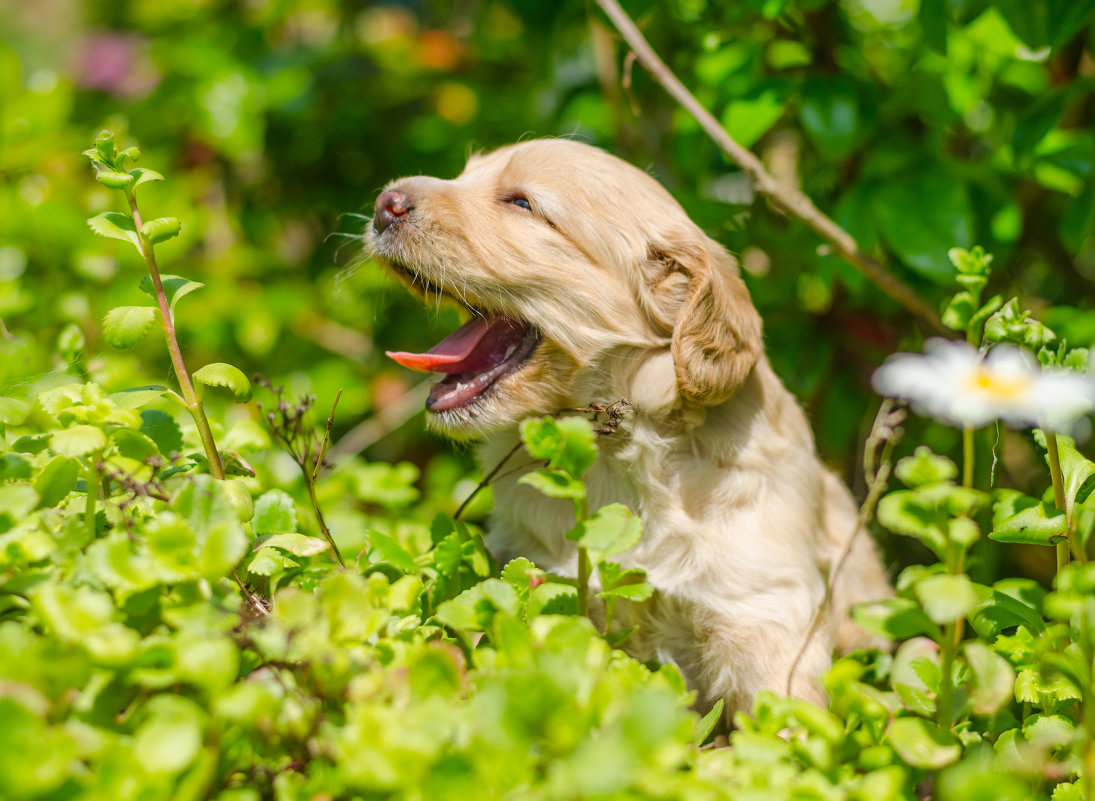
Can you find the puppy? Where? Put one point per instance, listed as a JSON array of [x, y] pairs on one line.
[[586, 281]]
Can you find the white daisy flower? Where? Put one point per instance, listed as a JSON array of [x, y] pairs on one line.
[[953, 382]]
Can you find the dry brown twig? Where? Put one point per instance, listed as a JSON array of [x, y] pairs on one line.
[[877, 465], [788, 200]]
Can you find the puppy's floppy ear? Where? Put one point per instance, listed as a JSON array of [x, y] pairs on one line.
[[716, 338]]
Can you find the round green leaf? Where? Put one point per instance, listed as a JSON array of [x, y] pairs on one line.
[[220, 374], [240, 498], [171, 737], [77, 441], [922, 744], [115, 225], [112, 179], [13, 411], [161, 229], [992, 681], [175, 287], [56, 480], [297, 544], [946, 598], [274, 512], [125, 326]]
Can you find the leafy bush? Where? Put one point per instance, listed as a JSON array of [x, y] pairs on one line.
[[173, 635]]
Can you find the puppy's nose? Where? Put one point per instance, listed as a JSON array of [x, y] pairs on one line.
[[391, 207]]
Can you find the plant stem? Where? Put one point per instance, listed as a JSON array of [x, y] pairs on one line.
[[945, 700], [583, 582], [91, 484], [1058, 496], [967, 456], [319, 518], [193, 402]]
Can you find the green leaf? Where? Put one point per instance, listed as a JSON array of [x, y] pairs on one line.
[[610, 530], [162, 429], [78, 441], [895, 619], [175, 288], [13, 467], [219, 374], [1076, 469], [385, 550], [933, 21], [434, 672], [221, 542], [13, 412], [552, 599], [125, 326], [275, 512], [57, 479], [567, 444], [631, 592], [143, 176], [830, 116], [924, 467], [171, 735], [992, 679], [1021, 519], [269, 561], [922, 232], [136, 397], [448, 554], [113, 179], [115, 225], [946, 598], [18, 500], [923, 744], [161, 229], [555, 484], [705, 725], [749, 117], [297, 544]]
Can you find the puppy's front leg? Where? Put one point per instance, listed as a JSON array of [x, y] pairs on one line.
[[739, 658]]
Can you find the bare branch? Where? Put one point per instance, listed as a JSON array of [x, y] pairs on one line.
[[789, 200], [877, 451]]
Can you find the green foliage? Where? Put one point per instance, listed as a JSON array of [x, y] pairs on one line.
[[175, 636]]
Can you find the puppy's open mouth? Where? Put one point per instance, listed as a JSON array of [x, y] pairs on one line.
[[475, 357]]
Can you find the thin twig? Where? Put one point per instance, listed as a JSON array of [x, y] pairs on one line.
[[789, 200], [487, 479], [877, 466], [326, 437], [380, 424]]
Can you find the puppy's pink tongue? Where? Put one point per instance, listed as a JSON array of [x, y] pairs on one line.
[[477, 344]]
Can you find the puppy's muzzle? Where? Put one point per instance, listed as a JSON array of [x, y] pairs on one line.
[[391, 207]]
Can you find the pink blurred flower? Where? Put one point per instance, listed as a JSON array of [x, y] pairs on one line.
[[115, 63]]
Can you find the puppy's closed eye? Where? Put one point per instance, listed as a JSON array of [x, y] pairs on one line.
[[520, 201]]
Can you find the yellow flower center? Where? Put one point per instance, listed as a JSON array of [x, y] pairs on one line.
[[991, 385]]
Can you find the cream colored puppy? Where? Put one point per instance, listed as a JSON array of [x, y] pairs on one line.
[[588, 282]]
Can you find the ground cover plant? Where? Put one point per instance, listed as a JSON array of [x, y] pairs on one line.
[[208, 592]]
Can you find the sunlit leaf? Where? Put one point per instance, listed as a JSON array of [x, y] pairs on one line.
[[224, 375], [125, 326]]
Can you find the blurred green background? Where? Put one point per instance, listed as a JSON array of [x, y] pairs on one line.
[[918, 125]]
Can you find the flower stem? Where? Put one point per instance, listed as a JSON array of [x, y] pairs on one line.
[[1058, 496], [193, 402], [967, 456]]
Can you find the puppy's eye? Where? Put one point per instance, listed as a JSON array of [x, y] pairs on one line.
[[522, 201]]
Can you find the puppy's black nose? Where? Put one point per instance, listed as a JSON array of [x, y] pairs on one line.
[[391, 207]]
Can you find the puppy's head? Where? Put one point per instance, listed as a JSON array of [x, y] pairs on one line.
[[583, 278]]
